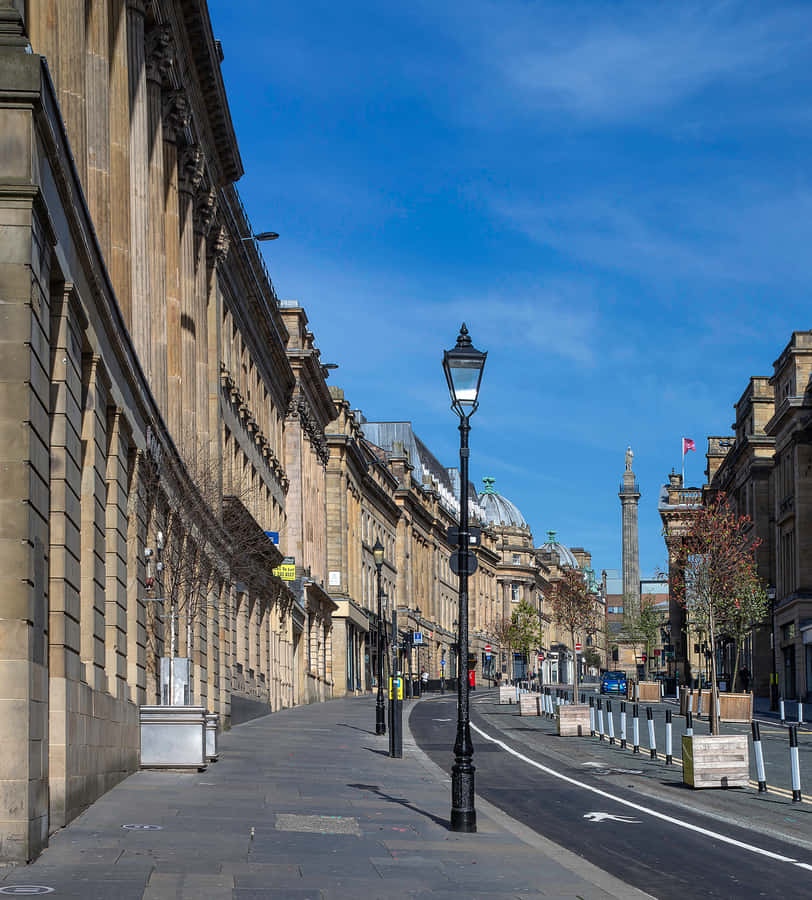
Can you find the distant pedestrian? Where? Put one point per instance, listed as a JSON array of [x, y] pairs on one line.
[[744, 678], [424, 679]]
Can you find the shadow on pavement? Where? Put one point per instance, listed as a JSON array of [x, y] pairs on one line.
[[401, 801]]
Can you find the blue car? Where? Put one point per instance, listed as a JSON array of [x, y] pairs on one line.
[[613, 683]]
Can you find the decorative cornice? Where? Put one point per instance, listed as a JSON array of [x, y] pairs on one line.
[[299, 408]]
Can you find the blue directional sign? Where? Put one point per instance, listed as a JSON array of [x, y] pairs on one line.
[[273, 536], [417, 637]]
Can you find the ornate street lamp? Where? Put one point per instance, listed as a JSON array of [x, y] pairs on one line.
[[463, 367], [380, 712]]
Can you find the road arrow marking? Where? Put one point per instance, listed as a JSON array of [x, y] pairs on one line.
[[608, 817]]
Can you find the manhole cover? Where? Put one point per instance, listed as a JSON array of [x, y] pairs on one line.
[[25, 890], [143, 827], [318, 824]]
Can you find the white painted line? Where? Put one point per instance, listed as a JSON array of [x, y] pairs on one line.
[[636, 806]]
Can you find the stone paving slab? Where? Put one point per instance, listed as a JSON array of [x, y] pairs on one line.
[[298, 807]]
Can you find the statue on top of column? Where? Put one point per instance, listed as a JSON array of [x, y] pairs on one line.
[[629, 458]]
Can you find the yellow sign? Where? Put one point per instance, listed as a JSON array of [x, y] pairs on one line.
[[285, 572], [396, 685]]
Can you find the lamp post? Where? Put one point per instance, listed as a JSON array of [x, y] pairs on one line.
[[380, 713], [463, 367]]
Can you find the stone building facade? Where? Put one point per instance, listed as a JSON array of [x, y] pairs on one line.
[[361, 509], [147, 375], [763, 468]]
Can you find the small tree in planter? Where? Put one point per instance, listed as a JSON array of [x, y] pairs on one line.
[[575, 609], [717, 561], [502, 634], [641, 628]]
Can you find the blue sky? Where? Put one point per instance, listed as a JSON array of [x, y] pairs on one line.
[[616, 198]]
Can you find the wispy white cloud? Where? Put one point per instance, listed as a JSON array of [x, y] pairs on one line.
[[620, 61]]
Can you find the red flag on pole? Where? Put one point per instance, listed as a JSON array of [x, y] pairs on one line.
[[687, 444]]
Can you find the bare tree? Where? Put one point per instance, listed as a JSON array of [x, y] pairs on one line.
[[574, 608], [718, 566], [203, 538]]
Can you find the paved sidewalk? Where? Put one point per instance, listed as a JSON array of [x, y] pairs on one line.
[[305, 803]]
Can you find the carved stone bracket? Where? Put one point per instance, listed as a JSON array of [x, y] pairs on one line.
[[176, 114], [205, 210], [299, 408], [160, 53], [190, 169], [218, 246]]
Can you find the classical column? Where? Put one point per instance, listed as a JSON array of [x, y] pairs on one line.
[[118, 260], [205, 211], [175, 122], [97, 80], [139, 190], [159, 57], [191, 165], [629, 498], [71, 67]]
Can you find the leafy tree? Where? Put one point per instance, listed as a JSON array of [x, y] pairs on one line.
[[641, 628], [592, 658], [718, 575], [525, 628], [503, 636], [574, 608], [750, 609]]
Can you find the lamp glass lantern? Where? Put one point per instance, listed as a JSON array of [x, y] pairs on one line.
[[377, 553], [463, 366]]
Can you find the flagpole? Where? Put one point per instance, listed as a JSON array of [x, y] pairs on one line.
[[683, 461]]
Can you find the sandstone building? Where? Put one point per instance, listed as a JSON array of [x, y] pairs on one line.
[[162, 432]]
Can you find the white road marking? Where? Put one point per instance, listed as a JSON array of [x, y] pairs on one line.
[[636, 806], [442, 720], [604, 817]]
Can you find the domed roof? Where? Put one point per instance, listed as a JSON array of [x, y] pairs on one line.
[[565, 555], [498, 509]]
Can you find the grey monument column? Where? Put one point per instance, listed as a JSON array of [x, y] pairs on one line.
[[629, 498]]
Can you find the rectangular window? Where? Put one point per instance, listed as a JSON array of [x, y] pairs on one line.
[[514, 593], [517, 559]]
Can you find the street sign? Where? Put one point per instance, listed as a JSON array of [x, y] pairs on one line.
[[285, 572], [474, 536], [469, 561], [417, 637], [578, 647], [487, 648], [273, 537], [541, 657]]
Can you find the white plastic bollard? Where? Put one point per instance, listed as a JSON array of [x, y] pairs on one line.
[[622, 725], [781, 708], [795, 764], [652, 739], [762, 778], [610, 721], [635, 729], [600, 719]]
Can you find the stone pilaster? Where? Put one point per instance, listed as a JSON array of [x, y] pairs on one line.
[[137, 516], [116, 526], [94, 441], [139, 187], [25, 254], [119, 92]]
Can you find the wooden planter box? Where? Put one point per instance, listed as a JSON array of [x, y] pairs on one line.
[[573, 721], [647, 691], [507, 694], [530, 705], [715, 760], [732, 707]]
